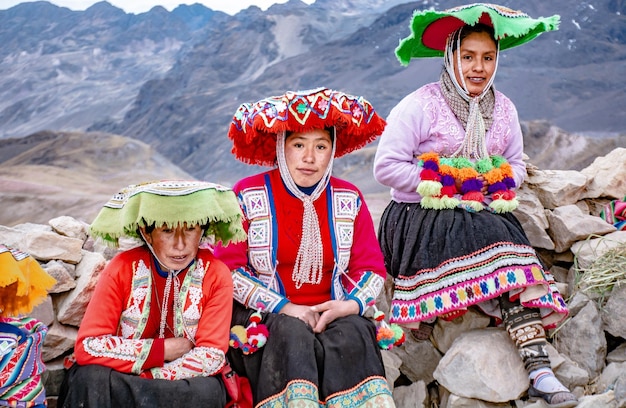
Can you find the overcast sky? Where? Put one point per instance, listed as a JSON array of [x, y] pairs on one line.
[[140, 6]]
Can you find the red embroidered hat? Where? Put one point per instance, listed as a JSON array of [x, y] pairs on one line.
[[254, 127]]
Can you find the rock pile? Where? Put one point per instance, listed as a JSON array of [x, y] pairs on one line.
[[467, 363]]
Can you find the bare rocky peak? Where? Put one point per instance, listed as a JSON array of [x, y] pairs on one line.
[[173, 79]]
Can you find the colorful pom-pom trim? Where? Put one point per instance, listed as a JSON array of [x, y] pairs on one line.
[[439, 176], [251, 338], [387, 335]]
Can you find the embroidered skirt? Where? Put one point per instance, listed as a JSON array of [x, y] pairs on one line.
[[444, 261], [98, 386], [340, 367]]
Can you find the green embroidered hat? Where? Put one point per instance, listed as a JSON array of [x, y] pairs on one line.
[[171, 203], [430, 28]]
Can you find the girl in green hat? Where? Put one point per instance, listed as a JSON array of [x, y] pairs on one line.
[[452, 155]]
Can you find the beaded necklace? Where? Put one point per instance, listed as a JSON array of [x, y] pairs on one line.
[[163, 307], [474, 145], [310, 258]]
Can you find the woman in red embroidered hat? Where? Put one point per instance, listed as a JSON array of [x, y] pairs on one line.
[[155, 332], [452, 155], [311, 266]]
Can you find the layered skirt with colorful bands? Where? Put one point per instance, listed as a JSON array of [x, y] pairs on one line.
[[340, 367], [446, 258]]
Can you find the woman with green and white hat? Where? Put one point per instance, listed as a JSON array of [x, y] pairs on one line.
[[156, 329], [452, 155]]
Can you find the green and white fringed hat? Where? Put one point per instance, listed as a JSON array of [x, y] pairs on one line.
[[430, 28], [171, 203]]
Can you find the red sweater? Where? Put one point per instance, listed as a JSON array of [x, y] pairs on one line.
[[121, 326]]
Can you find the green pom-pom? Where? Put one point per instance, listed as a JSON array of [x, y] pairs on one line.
[[398, 334], [431, 203], [428, 188], [448, 203], [498, 161], [504, 206], [483, 166], [462, 162]]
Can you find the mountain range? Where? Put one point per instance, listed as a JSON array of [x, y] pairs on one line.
[[173, 80]]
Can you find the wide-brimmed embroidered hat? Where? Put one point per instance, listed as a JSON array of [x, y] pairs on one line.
[[254, 127], [430, 28], [23, 282], [171, 203]]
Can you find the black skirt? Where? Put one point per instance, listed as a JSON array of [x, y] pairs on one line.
[[102, 387], [444, 261], [340, 367]]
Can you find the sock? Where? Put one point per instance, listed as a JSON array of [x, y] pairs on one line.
[[543, 380]]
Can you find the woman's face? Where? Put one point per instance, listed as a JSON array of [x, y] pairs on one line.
[[478, 61], [175, 247], [307, 155]]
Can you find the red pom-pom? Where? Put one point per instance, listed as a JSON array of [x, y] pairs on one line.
[[473, 196], [257, 335], [504, 195], [427, 174], [255, 317], [448, 191]]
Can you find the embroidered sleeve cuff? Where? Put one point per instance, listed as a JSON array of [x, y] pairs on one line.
[[367, 290], [200, 361], [280, 306], [156, 357], [253, 294], [362, 307]]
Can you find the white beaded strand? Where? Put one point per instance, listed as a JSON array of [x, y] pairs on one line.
[[310, 258], [474, 145]]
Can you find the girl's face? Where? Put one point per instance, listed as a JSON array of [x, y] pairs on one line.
[[175, 247], [307, 155], [478, 54]]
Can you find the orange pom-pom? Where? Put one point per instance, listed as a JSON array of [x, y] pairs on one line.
[[447, 170], [466, 173], [493, 176], [507, 170], [430, 156]]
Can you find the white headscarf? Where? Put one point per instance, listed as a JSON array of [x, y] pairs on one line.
[[474, 145]]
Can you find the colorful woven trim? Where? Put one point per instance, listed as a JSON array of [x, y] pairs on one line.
[[171, 203], [431, 28], [21, 366], [615, 213], [438, 185], [254, 126], [459, 282], [24, 284]]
